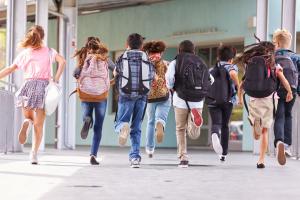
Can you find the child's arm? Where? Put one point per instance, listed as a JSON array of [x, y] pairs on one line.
[[240, 93], [8, 70], [286, 85], [61, 66], [170, 75], [234, 76]]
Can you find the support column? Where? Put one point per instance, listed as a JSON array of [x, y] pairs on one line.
[[16, 28], [41, 18], [67, 107], [288, 21], [262, 22]]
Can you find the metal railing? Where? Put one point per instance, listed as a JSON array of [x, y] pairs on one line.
[[7, 110]]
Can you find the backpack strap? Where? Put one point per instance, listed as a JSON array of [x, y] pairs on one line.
[[231, 93], [274, 106], [50, 61], [74, 91], [187, 105], [144, 73], [245, 103], [125, 65]]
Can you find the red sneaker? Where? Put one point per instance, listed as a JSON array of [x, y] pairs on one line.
[[196, 117]]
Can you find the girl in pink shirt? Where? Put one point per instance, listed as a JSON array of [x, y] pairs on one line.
[[36, 62]]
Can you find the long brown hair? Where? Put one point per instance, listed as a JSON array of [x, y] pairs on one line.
[[33, 38], [261, 48], [92, 46]]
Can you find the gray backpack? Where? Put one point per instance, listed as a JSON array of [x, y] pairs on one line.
[[289, 70]]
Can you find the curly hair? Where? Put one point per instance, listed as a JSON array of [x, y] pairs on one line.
[[154, 47]]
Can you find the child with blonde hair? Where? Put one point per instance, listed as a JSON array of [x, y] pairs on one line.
[[289, 62]]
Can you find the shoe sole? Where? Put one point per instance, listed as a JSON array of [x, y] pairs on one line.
[[123, 136], [159, 132], [196, 117], [281, 154], [85, 129], [135, 166], [183, 166], [150, 155], [23, 132], [217, 146]]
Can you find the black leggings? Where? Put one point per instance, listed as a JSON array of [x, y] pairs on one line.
[[220, 116]]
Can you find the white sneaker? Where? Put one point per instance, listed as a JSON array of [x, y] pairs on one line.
[[216, 144], [135, 163], [280, 154], [33, 158], [149, 152], [288, 151], [124, 133]]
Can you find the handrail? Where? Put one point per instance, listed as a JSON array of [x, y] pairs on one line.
[[9, 84]]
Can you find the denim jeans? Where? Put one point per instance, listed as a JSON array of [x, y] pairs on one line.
[[283, 121], [133, 109], [100, 109], [156, 112], [220, 116]]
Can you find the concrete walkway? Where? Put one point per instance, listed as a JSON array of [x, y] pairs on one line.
[[67, 175]]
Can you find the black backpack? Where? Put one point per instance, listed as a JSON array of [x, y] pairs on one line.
[[191, 77], [259, 79], [221, 90], [290, 72]]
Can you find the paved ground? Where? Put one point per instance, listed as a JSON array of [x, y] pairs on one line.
[[66, 175]]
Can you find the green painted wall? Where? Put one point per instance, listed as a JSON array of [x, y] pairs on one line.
[[161, 21]]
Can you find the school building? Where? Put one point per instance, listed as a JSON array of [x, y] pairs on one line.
[[206, 22]]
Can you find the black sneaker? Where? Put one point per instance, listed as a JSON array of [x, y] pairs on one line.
[[86, 127], [93, 161], [135, 163], [260, 166], [222, 158], [183, 164]]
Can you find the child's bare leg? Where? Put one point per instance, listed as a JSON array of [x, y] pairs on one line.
[[263, 146], [38, 129]]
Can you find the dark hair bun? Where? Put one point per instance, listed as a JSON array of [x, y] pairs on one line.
[[154, 47]]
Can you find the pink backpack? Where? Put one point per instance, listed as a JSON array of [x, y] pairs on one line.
[[94, 76]]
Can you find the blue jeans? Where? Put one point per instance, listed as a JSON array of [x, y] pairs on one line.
[[283, 121], [156, 112], [133, 109], [100, 109]]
